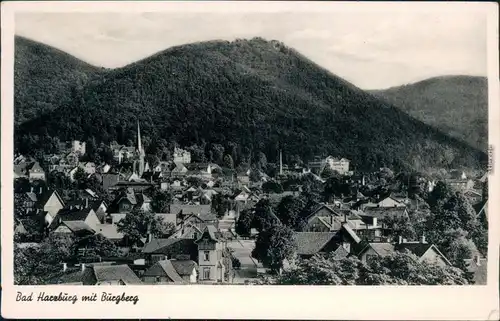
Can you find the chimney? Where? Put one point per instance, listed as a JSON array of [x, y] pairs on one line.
[[422, 239], [86, 203], [400, 239], [374, 222], [65, 267], [281, 163], [83, 267], [31, 189], [150, 237], [41, 190], [477, 258]]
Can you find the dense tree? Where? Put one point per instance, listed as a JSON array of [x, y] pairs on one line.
[[273, 246], [290, 210], [272, 187], [396, 269], [139, 224], [401, 226], [228, 161], [264, 217], [220, 205], [160, 201], [244, 222], [35, 265], [96, 245]]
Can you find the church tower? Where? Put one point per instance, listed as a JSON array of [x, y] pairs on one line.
[[140, 151]]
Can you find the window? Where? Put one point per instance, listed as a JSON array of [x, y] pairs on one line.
[[206, 255], [206, 273]]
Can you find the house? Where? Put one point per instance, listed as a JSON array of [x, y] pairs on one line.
[[187, 209], [163, 249], [174, 271], [76, 228], [78, 147], [88, 167], [181, 156], [110, 232], [423, 250], [375, 215], [85, 215], [340, 165], [128, 200], [473, 196], [322, 218], [96, 274], [214, 261], [389, 201], [179, 171], [50, 203], [36, 172], [461, 185], [478, 266], [109, 180]]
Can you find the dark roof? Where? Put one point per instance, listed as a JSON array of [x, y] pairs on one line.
[[166, 268], [184, 267], [97, 273], [310, 243], [211, 232], [172, 247], [382, 249], [416, 248], [78, 226], [340, 253], [190, 209], [116, 272], [384, 212], [74, 214]]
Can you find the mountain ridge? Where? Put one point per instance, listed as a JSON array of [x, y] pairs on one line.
[[247, 93], [456, 105]]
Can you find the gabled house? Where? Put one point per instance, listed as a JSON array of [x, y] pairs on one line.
[[75, 228], [163, 249], [82, 215], [423, 250], [179, 170], [174, 271], [36, 172], [214, 261], [376, 215], [50, 203], [128, 200]]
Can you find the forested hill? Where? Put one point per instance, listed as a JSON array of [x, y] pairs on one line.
[[457, 105], [44, 77], [250, 96]]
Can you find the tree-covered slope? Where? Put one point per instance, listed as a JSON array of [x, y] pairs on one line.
[[44, 78], [456, 105], [250, 96]]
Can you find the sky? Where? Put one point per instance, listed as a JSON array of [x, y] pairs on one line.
[[372, 50]]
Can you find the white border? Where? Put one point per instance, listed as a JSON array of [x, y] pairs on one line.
[[218, 302]]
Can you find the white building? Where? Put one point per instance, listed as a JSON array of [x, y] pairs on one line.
[[181, 156]]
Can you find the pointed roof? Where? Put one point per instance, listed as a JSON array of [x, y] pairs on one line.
[[139, 142], [209, 231]]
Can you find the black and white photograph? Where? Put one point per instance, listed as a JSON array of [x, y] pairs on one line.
[[273, 148]]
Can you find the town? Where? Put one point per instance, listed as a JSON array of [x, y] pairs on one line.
[[132, 218]]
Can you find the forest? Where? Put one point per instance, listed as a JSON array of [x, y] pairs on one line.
[[248, 96]]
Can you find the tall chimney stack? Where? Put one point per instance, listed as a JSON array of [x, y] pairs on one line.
[[400, 239], [83, 267], [65, 267], [281, 163]]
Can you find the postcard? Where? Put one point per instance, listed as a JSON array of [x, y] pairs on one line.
[[255, 160]]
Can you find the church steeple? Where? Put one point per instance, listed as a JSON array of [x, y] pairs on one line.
[[139, 142], [140, 151]]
